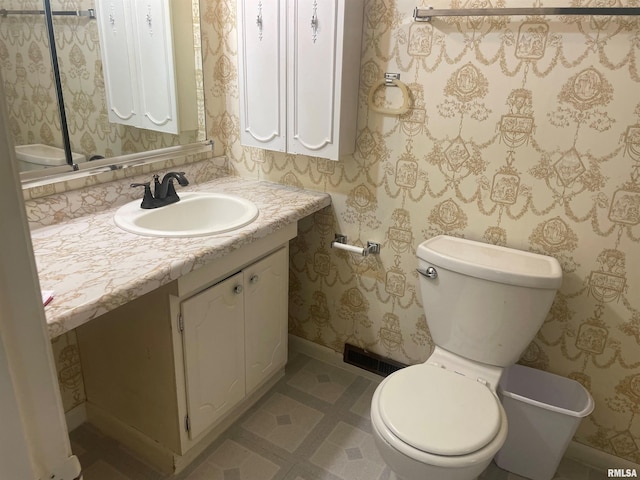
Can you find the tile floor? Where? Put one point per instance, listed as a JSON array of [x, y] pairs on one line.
[[312, 425]]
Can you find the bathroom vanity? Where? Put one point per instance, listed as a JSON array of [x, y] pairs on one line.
[[163, 371], [177, 336]]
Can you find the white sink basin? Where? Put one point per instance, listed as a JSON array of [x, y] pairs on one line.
[[195, 215]]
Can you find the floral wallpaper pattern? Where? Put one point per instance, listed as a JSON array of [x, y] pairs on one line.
[[522, 131]]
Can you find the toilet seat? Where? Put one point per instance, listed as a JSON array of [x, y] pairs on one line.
[[439, 411]]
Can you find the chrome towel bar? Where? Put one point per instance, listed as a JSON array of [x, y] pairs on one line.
[[90, 13], [426, 14]]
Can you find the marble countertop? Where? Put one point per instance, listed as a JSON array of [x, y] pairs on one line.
[[94, 267]]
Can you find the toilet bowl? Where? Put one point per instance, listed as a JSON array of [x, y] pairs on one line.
[[442, 419]]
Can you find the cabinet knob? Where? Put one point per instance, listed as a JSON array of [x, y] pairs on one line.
[[237, 289], [254, 279]]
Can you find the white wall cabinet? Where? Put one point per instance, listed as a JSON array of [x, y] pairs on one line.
[[167, 372], [148, 63], [298, 68]]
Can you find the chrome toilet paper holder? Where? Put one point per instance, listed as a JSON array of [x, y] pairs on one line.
[[340, 242]]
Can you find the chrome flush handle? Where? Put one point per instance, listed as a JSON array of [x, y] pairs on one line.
[[430, 273]]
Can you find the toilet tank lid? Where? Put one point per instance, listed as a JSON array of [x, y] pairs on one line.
[[492, 262]]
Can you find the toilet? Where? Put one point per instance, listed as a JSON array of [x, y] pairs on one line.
[[484, 304], [39, 156]]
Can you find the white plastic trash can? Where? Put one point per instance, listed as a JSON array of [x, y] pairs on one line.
[[544, 411]]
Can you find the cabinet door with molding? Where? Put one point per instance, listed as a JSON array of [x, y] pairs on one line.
[[153, 37], [136, 44], [323, 44], [266, 307], [262, 73], [213, 339], [118, 61]]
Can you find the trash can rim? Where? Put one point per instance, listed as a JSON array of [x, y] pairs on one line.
[[590, 404]]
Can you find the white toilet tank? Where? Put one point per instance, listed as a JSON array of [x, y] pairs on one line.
[[486, 302]]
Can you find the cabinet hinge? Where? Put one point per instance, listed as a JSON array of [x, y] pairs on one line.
[[180, 323], [187, 423]]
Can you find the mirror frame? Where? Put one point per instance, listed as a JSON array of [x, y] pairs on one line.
[[34, 184], [62, 113]]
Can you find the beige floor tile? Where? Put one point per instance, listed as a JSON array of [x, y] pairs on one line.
[[103, 471], [323, 381], [283, 421], [362, 406], [231, 461], [270, 442], [349, 453]]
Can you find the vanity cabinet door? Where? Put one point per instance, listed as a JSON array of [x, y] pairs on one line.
[[266, 307], [213, 341]]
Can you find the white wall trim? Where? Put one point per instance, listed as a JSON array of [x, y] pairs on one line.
[[597, 458], [327, 355]]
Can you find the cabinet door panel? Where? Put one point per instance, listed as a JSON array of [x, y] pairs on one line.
[[266, 305], [114, 23], [152, 30], [313, 79], [213, 352], [262, 73]]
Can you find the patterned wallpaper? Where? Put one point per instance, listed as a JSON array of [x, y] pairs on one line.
[[33, 108], [25, 64], [523, 132]]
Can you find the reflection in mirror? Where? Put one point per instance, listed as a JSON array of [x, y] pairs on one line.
[[25, 65], [92, 52]]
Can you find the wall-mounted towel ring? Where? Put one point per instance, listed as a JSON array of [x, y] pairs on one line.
[[390, 80]]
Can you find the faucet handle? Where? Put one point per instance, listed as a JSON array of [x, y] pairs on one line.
[[147, 199]]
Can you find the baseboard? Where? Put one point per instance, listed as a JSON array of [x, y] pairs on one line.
[[326, 355], [584, 454], [597, 458], [76, 416], [147, 450]]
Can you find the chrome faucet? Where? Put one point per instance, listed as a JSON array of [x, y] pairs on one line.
[[164, 191]]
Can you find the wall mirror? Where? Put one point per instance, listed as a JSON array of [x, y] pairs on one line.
[[87, 80]]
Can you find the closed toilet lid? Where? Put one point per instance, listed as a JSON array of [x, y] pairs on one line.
[[439, 411]]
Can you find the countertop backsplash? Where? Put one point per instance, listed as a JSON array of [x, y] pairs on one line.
[[91, 194]]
